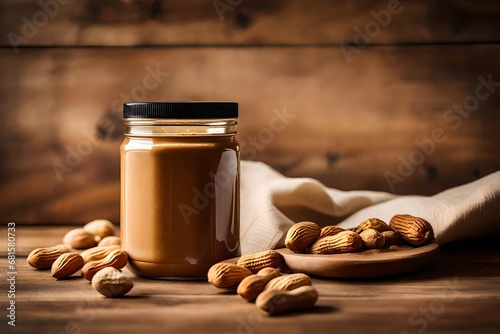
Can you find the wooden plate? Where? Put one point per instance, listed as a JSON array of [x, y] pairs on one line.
[[366, 264]]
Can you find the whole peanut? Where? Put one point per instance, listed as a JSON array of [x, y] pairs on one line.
[[43, 258], [116, 259], [78, 238], [227, 275], [278, 301], [111, 282], [251, 286], [257, 261]]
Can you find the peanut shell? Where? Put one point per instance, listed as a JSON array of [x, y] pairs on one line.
[[415, 230], [302, 235], [227, 275], [343, 242], [257, 261]]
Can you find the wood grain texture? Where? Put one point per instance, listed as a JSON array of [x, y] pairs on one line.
[[162, 22], [460, 293], [349, 124]]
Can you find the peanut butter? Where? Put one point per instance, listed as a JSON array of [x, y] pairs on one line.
[[180, 202]]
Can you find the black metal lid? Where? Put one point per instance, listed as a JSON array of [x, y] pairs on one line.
[[181, 110]]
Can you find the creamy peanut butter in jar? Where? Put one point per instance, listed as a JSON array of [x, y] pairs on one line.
[[179, 187]]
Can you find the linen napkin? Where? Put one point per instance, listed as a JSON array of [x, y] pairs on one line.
[[271, 203]]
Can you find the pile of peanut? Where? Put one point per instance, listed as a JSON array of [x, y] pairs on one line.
[[373, 233], [257, 278], [100, 263]]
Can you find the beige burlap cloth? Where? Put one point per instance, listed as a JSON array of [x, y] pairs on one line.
[[271, 203]]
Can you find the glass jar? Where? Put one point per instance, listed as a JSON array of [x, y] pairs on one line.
[[179, 187]]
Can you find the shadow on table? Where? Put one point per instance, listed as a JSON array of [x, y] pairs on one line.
[[318, 309]]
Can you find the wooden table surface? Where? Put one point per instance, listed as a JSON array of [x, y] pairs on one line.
[[460, 293]]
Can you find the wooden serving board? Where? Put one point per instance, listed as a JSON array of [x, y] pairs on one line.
[[371, 263]]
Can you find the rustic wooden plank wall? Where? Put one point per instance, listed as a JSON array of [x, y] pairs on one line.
[[401, 112]]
